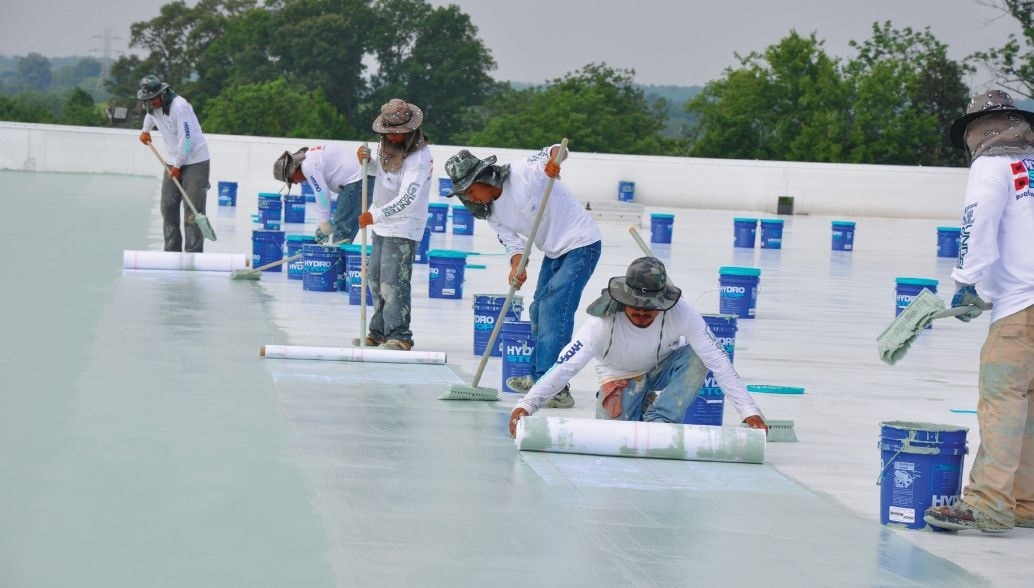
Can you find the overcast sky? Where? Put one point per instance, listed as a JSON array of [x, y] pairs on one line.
[[675, 42]]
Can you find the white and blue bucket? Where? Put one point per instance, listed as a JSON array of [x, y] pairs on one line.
[[738, 291], [462, 220], [420, 256], [906, 290], [626, 191], [486, 311], [294, 208], [437, 216], [843, 236], [661, 226], [744, 232], [948, 239], [921, 466], [708, 407], [353, 277], [444, 187], [267, 246], [227, 193], [308, 192], [296, 268], [445, 273], [270, 210], [771, 233], [516, 349], [321, 265]]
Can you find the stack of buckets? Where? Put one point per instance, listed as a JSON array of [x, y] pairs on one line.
[[738, 291], [709, 406], [486, 311], [921, 467]]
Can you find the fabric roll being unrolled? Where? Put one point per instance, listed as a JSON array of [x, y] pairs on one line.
[[355, 354], [640, 439], [172, 260]]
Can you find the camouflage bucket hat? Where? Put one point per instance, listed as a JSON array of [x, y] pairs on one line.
[[644, 285], [285, 165], [464, 168], [980, 105], [398, 117]]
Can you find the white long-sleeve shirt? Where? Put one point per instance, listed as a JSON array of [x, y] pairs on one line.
[[328, 168], [399, 203], [565, 225], [996, 251], [184, 142], [624, 351]]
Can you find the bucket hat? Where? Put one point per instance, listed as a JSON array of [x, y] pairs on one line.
[[644, 285], [980, 105], [398, 117], [150, 86], [464, 168], [285, 165]]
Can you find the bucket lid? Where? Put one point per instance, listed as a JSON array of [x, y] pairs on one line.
[[318, 247], [270, 195], [739, 271], [743, 219], [774, 221], [950, 229], [302, 238], [916, 281], [438, 205], [661, 215], [843, 223], [447, 253]]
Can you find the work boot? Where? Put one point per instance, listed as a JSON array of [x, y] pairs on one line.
[[960, 517], [563, 399], [370, 342], [520, 383], [397, 345]]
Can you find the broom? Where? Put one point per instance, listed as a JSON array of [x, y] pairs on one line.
[[778, 431], [255, 273], [202, 221], [474, 392], [894, 341]]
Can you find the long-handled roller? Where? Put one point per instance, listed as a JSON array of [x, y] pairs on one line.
[[202, 221], [474, 392], [255, 273]]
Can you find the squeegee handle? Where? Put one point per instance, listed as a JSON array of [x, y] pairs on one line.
[[174, 178]]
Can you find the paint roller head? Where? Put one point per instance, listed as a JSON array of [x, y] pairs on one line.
[[460, 392]]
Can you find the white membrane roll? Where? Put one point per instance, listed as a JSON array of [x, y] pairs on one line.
[[172, 260], [366, 354], [641, 439]]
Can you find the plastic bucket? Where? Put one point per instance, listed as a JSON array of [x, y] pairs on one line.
[[321, 266], [516, 349], [626, 191], [843, 236], [445, 273], [921, 467], [296, 268], [294, 208], [421, 248], [738, 291], [444, 186], [437, 216], [267, 246], [486, 310], [708, 407], [906, 289], [462, 220], [948, 241], [744, 230], [308, 192], [771, 233], [227, 193], [270, 210], [353, 278], [661, 227]]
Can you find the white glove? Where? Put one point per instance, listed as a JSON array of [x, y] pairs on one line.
[[323, 231]]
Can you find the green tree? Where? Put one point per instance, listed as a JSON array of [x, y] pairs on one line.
[[598, 108], [30, 107], [1012, 64], [34, 72], [79, 109], [275, 109]]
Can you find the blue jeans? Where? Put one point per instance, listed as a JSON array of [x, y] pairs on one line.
[[678, 378], [345, 220], [557, 294], [390, 277]]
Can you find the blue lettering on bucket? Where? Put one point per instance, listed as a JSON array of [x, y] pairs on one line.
[[317, 264], [734, 290], [433, 272], [484, 320], [906, 298]]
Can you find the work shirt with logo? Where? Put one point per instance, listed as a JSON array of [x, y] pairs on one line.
[[624, 351], [996, 248], [328, 168], [565, 225], [399, 204], [184, 142]]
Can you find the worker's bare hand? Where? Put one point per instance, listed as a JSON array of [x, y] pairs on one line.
[[756, 422], [514, 417], [517, 280]]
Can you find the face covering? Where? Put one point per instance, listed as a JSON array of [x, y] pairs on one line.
[[999, 133]]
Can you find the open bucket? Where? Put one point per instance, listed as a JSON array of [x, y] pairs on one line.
[[517, 347], [948, 241], [437, 216], [486, 310], [661, 227], [266, 247], [321, 266], [744, 232], [462, 220], [296, 268], [708, 407], [921, 467], [445, 273], [738, 291]]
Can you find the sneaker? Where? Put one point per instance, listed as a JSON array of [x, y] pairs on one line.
[[961, 517], [370, 342], [520, 383], [563, 399], [397, 345]]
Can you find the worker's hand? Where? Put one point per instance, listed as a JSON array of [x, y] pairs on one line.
[[517, 280], [362, 153], [756, 422], [552, 169], [365, 219], [514, 417], [323, 231], [145, 138], [966, 296], [174, 172]]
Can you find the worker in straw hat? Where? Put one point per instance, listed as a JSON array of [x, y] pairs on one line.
[[995, 271], [397, 217], [508, 196], [330, 170], [653, 350], [186, 153]]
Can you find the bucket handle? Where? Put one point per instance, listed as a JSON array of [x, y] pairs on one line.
[[883, 470]]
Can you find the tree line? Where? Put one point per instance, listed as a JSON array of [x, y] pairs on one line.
[[322, 68]]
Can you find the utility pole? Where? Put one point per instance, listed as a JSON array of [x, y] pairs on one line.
[[105, 56]]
